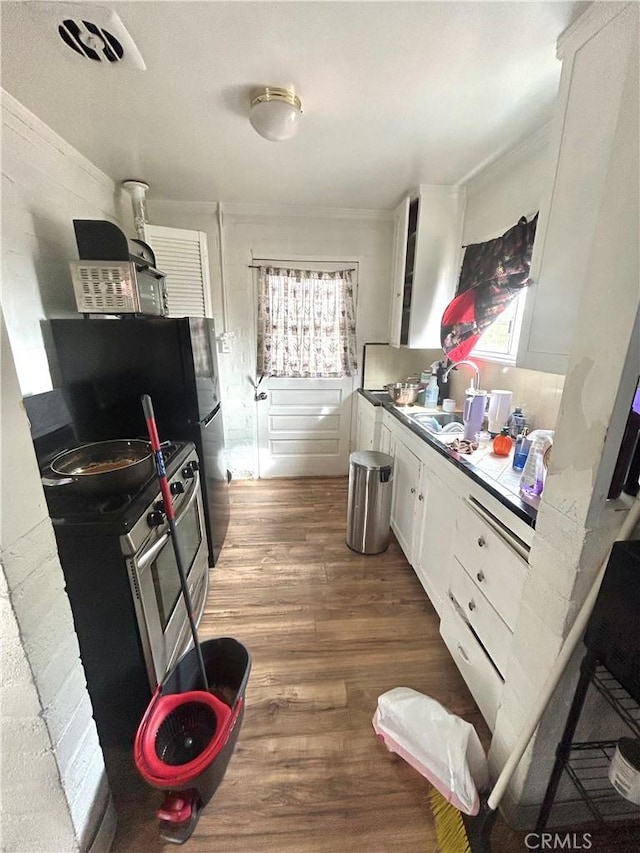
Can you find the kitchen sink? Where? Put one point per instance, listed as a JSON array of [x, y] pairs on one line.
[[439, 423], [443, 418]]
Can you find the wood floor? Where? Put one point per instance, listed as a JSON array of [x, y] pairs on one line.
[[329, 630]]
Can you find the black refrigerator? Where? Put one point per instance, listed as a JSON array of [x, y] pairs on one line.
[[105, 365]]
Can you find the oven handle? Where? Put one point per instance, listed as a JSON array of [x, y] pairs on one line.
[[152, 552]]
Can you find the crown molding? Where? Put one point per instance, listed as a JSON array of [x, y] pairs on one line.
[[16, 114], [506, 160], [239, 212], [594, 18]]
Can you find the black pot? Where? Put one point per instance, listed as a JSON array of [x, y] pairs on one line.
[[103, 468]]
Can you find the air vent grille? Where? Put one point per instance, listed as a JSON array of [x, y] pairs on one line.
[[89, 40], [96, 33]]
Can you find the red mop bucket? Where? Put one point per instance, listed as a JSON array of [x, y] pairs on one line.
[[187, 735]]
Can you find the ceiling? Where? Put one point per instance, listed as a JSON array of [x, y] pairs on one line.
[[394, 94]]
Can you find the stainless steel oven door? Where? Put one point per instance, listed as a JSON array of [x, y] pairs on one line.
[[160, 607]]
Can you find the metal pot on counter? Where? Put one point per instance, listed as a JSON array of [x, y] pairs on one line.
[[404, 393]]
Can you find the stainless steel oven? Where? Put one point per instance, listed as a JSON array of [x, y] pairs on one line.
[[123, 585], [153, 573]]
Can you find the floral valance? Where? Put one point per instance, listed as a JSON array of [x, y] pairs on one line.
[[306, 323]]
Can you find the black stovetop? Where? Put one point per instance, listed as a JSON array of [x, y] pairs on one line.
[[109, 513]]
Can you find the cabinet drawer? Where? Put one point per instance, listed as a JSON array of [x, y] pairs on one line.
[[494, 634], [475, 667], [490, 562]]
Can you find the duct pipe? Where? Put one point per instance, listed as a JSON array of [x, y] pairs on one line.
[[138, 192]]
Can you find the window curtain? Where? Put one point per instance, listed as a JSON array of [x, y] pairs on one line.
[[493, 274], [306, 323]]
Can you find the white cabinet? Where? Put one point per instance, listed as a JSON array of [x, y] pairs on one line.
[[407, 499], [366, 418], [426, 264], [488, 572], [423, 512], [597, 53], [433, 558]]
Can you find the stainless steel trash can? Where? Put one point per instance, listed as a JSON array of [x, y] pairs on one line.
[[369, 505]]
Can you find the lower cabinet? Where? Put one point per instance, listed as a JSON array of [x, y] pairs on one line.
[[469, 552], [423, 513], [366, 417], [407, 500], [433, 558], [479, 673]]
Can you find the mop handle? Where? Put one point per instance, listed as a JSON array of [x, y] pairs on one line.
[[567, 649], [167, 500]]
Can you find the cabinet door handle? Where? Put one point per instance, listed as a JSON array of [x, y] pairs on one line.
[[481, 541], [463, 654], [480, 576], [472, 605], [413, 491], [420, 497]]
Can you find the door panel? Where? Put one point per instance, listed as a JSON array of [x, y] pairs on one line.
[[304, 427]]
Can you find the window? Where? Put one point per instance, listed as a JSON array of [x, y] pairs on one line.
[[306, 323], [500, 341]]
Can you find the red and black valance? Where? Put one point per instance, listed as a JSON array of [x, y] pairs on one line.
[[493, 273]]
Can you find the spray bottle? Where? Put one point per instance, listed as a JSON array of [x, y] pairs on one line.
[[432, 389]]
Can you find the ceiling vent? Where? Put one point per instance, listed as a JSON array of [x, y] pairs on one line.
[[99, 36]]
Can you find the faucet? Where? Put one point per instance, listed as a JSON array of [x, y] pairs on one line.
[[471, 364]]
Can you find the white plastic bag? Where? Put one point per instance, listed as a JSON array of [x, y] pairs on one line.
[[439, 745]]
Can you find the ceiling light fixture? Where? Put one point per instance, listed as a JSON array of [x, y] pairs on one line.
[[275, 113]]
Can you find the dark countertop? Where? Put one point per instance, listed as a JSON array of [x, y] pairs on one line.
[[506, 494]]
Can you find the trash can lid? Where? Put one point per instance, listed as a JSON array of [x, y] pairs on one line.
[[371, 460]]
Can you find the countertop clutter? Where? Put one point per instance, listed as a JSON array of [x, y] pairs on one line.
[[494, 473]]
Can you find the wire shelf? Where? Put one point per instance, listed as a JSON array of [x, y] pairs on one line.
[[588, 768], [619, 699]]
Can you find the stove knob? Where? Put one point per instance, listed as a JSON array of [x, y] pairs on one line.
[[176, 488], [194, 465], [155, 518], [188, 472]]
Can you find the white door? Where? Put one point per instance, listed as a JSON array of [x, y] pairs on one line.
[[304, 426]]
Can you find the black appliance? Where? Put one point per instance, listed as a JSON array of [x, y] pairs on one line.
[[120, 573], [115, 275], [106, 364]]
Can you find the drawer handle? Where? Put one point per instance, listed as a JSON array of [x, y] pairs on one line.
[[420, 497], [463, 654], [413, 491], [480, 576], [481, 541], [472, 605]]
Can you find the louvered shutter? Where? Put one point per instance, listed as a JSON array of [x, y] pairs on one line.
[[182, 255]]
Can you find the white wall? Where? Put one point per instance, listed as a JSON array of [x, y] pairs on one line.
[[254, 232], [45, 185], [54, 790], [509, 188]]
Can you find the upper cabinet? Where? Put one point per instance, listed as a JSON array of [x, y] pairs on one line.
[[597, 53], [426, 265]]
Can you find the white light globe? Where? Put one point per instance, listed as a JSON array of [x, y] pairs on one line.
[[275, 114]]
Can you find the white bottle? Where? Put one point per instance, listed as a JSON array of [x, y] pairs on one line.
[[432, 390]]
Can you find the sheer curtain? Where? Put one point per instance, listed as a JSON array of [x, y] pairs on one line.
[[306, 323]]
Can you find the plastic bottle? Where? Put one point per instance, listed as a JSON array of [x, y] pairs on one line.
[[432, 389], [517, 422], [502, 443], [532, 480], [523, 445]]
